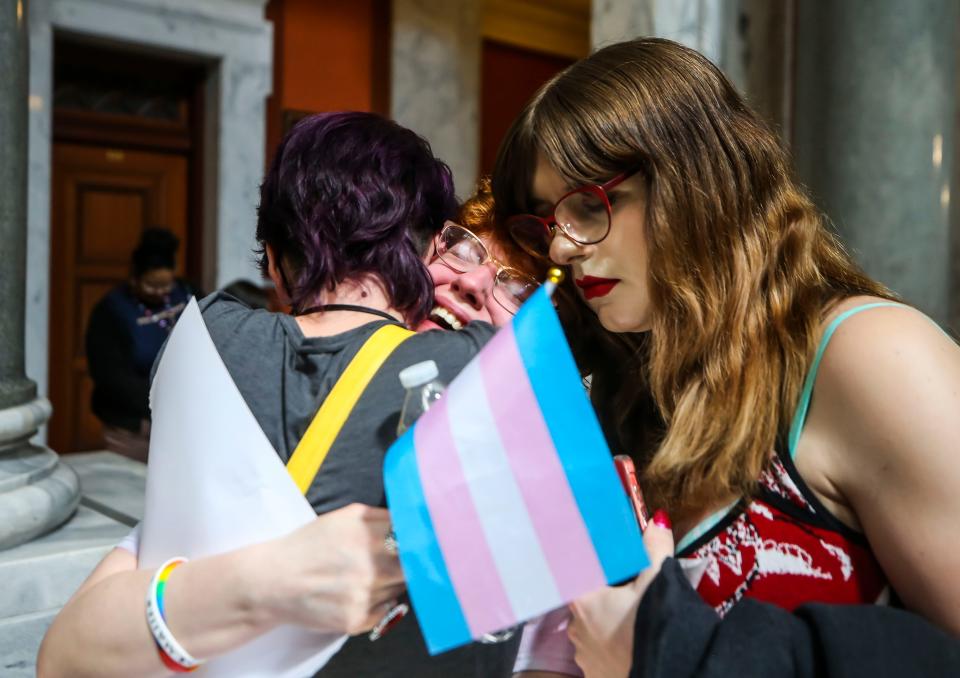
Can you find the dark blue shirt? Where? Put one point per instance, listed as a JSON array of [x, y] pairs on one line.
[[123, 339]]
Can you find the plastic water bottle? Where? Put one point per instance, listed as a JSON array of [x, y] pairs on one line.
[[424, 388]]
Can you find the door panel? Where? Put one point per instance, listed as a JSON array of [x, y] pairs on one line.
[[102, 199], [106, 216]]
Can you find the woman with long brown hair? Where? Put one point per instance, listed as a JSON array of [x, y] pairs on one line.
[[794, 419]]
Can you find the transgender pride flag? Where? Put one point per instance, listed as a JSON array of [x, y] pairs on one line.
[[504, 497]]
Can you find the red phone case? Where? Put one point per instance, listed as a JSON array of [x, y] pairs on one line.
[[628, 478]]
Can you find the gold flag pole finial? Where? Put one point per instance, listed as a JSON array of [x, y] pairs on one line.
[[555, 276]]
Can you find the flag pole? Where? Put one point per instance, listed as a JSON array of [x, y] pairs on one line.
[[554, 277]]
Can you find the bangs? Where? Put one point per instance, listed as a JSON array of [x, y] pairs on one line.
[[581, 136], [565, 143]]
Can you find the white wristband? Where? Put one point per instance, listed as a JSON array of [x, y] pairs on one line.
[[158, 625]]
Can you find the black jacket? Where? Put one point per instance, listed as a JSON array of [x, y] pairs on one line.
[[678, 635]]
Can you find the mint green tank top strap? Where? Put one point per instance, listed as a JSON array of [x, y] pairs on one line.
[[800, 415]]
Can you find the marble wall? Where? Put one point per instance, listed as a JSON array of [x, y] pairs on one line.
[[617, 20], [435, 86], [700, 24], [875, 137], [235, 40]]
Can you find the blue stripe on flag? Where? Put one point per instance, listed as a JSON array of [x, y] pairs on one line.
[[434, 598], [580, 444]]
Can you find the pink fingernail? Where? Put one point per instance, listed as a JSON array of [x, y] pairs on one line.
[[661, 519]]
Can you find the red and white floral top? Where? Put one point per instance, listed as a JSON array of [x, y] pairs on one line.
[[781, 547]]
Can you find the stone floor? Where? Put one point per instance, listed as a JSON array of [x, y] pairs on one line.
[[39, 577]]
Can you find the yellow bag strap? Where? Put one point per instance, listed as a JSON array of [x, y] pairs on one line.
[[305, 462]]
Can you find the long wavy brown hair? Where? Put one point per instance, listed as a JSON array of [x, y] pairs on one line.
[[742, 267]]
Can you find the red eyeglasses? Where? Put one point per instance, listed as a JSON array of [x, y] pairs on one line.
[[583, 215]]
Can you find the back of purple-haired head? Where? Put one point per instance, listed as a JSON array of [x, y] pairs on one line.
[[349, 194]]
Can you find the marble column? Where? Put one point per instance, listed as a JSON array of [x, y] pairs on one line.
[[700, 24], [874, 134], [758, 56], [37, 493], [435, 80], [618, 20]]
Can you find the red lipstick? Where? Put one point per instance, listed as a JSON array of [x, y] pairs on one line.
[[596, 287]]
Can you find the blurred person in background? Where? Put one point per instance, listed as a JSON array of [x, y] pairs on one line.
[[125, 332]]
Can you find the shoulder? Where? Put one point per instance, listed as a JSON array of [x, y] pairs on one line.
[[469, 340], [220, 303], [222, 311], [887, 355], [113, 307], [116, 299], [239, 331], [473, 336], [889, 385], [450, 349], [103, 308]]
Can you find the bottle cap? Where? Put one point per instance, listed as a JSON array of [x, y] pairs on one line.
[[419, 374]]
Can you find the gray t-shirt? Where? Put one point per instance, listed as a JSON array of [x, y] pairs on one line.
[[284, 377]]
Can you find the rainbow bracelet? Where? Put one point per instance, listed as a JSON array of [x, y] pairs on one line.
[[172, 654]]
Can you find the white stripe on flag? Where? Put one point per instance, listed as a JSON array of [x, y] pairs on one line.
[[503, 514]]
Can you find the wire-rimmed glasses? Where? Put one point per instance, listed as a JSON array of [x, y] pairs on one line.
[[463, 251]]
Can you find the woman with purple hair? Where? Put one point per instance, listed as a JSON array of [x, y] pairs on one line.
[[349, 214]]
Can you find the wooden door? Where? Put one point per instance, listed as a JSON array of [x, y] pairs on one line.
[[102, 199], [509, 76]]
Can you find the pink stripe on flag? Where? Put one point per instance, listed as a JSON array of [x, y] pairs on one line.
[[467, 555], [536, 466]]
